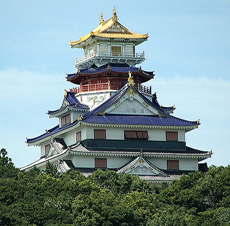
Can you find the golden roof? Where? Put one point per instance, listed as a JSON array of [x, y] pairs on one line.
[[110, 28]]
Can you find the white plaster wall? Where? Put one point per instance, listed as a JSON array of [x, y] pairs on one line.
[[117, 162], [118, 133], [157, 135], [69, 138], [188, 164], [94, 99], [181, 135], [184, 164], [89, 161]]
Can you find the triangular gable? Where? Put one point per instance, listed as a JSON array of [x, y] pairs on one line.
[[116, 27], [140, 166], [132, 103]]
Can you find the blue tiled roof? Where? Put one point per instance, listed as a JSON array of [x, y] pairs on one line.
[[73, 102], [50, 132], [113, 67], [139, 120]]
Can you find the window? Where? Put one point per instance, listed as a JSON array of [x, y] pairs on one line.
[[129, 50], [103, 48], [173, 164], [65, 120], [47, 149], [78, 136], [171, 136], [136, 135], [116, 50], [99, 134], [100, 163]]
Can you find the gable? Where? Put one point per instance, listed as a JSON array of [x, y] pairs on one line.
[[117, 28], [140, 166], [132, 103]]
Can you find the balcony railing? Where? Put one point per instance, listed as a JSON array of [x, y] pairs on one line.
[[110, 54], [106, 86]]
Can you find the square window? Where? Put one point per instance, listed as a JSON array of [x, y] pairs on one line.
[[99, 134], [78, 136], [65, 120], [173, 164], [47, 149], [171, 136], [101, 163]]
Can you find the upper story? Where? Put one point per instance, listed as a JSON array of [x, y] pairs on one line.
[[109, 42]]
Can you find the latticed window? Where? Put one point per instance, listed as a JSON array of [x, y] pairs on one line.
[[136, 135], [65, 120], [103, 48], [78, 136], [99, 134], [116, 50], [171, 136], [47, 149], [129, 50], [173, 164], [100, 163]]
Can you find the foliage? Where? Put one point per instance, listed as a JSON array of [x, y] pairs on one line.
[[108, 198]]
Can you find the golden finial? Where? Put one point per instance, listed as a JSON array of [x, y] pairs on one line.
[[109, 67], [101, 19], [78, 70], [115, 14], [66, 93], [198, 121], [130, 79], [80, 118]]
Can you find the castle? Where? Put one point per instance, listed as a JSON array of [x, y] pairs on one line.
[[111, 120]]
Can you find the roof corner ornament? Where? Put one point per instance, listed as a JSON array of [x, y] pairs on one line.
[[198, 122], [101, 19], [115, 18], [80, 118], [109, 67], [66, 93], [78, 70], [130, 80]]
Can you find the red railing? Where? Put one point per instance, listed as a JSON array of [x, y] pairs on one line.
[[106, 86]]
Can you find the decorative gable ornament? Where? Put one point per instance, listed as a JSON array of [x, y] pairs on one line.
[[141, 166], [130, 80]]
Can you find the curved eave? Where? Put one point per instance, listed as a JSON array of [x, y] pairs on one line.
[[186, 128], [199, 156], [49, 133], [136, 38], [67, 108], [76, 78], [42, 162]]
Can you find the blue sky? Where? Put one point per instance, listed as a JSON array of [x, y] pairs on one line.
[[188, 48]]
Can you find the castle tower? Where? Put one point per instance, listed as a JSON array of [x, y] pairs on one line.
[[109, 56]]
